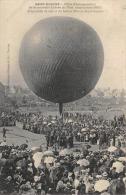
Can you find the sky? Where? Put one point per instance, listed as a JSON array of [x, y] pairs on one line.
[[110, 25]]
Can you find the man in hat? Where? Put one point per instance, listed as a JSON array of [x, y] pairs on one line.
[[120, 186], [81, 188], [60, 186], [113, 174], [4, 132], [105, 175]]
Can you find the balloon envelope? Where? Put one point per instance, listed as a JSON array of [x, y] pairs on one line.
[[61, 59]]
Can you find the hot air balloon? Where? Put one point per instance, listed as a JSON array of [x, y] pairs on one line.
[[61, 59]]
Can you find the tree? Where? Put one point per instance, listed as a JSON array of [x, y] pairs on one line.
[[100, 93], [122, 96]]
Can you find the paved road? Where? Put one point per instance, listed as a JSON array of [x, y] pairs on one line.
[[16, 135]]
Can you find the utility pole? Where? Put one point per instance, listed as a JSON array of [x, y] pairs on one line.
[[8, 70]]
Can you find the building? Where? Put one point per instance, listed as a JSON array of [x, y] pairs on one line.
[[2, 94]]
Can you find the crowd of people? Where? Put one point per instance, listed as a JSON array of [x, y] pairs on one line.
[[62, 132], [66, 171], [7, 119], [61, 168]]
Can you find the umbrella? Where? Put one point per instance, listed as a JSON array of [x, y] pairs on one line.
[[65, 152], [37, 157], [83, 162], [76, 183], [44, 122], [124, 150], [119, 166], [93, 130], [76, 154], [49, 124], [122, 159], [112, 149], [53, 122], [120, 137], [83, 130], [35, 123], [70, 121], [101, 185], [48, 153], [36, 178], [49, 160]]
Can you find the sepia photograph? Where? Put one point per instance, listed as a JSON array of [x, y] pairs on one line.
[[62, 97]]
